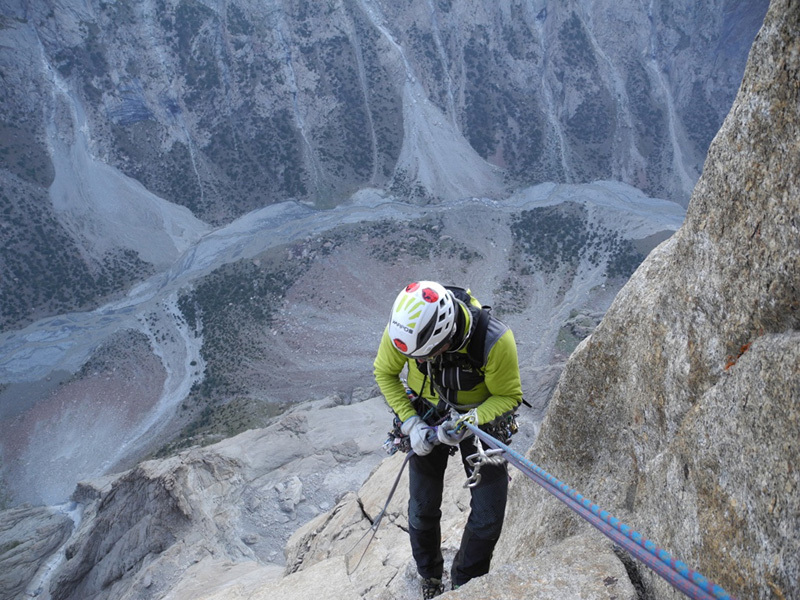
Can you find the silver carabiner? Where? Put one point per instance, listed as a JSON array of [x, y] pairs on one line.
[[477, 460]]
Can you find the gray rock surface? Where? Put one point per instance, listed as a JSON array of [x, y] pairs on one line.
[[580, 568], [29, 537], [237, 501], [324, 557], [680, 413]]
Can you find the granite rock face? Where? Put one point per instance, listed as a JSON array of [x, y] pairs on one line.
[[140, 532], [29, 537], [324, 557], [680, 413]]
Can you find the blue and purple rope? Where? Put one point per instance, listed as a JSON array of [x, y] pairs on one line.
[[675, 572]]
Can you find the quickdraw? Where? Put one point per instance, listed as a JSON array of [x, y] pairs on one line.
[[503, 427]]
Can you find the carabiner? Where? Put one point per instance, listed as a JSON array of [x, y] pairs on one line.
[[477, 460]]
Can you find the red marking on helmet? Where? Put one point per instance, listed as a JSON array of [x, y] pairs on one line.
[[430, 295], [412, 287], [400, 345]]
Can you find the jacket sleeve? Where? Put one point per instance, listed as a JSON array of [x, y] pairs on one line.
[[502, 379], [388, 365]]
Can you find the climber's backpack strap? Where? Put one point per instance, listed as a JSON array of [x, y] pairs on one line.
[[477, 343]]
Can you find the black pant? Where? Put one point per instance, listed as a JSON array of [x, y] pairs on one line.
[[487, 510]]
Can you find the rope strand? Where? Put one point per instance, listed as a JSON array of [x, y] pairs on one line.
[[676, 573]]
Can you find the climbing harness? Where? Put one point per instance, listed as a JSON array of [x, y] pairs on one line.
[[377, 522], [397, 440], [676, 573], [432, 415], [482, 457]]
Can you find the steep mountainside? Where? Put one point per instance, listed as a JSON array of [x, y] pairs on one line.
[[693, 368], [678, 414], [687, 422], [288, 305], [223, 108]]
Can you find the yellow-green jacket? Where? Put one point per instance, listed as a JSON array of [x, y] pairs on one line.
[[498, 393]]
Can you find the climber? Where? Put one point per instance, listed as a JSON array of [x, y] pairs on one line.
[[461, 367]]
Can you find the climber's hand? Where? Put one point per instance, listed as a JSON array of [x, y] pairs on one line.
[[418, 432], [448, 433]]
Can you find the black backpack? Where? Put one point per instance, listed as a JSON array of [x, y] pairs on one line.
[[477, 343], [481, 315]]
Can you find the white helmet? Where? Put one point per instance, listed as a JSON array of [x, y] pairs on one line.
[[423, 319]]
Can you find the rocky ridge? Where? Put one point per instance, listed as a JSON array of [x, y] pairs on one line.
[[137, 532], [204, 524]]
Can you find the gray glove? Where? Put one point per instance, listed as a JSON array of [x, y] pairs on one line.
[[416, 429], [450, 435]]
